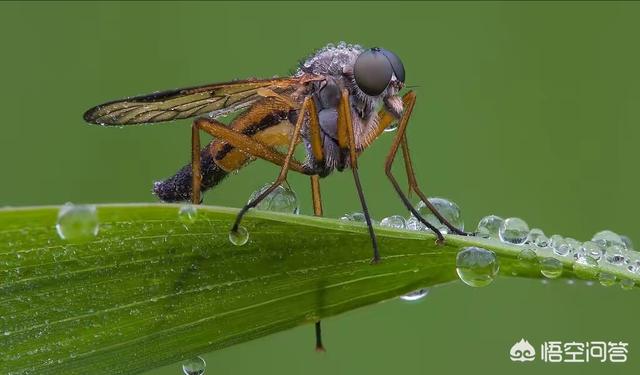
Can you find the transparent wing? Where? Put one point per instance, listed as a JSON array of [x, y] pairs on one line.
[[216, 99]]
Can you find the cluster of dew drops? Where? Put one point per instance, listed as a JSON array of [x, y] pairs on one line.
[[475, 266]]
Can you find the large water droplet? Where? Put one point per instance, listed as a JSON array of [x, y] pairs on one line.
[[281, 199], [607, 238], [240, 237], [194, 366], [627, 284], [514, 230], [188, 214], [606, 279], [77, 223], [448, 209], [550, 267], [476, 266], [536, 237], [489, 226], [394, 221], [585, 267], [415, 295]]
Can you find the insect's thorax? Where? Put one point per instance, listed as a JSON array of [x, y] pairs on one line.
[[335, 63]]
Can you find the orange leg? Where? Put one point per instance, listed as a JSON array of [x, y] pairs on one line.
[[236, 139], [286, 164]]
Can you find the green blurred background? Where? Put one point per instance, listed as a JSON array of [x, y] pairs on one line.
[[524, 109]]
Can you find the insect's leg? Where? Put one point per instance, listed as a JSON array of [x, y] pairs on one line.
[[317, 211], [196, 175], [286, 164], [413, 185], [346, 141], [409, 100]]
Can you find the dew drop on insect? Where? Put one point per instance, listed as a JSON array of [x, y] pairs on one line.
[[585, 267], [477, 266], [606, 279], [614, 255], [448, 209], [627, 284], [392, 127], [281, 199], [527, 256], [489, 226], [194, 366], [415, 295], [77, 223], [240, 237], [559, 245], [394, 221], [607, 238], [550, 268], [514, 230], [188, 214]]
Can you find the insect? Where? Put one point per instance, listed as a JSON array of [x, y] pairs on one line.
[[336, 104]]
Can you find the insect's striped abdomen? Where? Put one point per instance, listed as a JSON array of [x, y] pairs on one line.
[[266, 122]]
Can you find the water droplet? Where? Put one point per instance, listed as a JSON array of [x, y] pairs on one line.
[[77, 223], [550, 268], [606, 279], [614, 255], [415, 295], [627, 284], [392, 127], [395, 221], [527, 257], [626, 241], [592, 249], [514, 230], [281, 199], [240, 237], [194, 366], [188, 214], [355, 216], [489, 226], [448, 209], [536, 237], [574, 245], [585, 267], [607, 238], [559, 245], [476, 266]]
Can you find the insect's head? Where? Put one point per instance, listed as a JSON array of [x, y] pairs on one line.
[[375, 69]]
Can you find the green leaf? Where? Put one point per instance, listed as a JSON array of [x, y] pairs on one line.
[[150, 290]]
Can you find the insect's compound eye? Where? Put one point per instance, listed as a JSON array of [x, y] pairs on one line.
[[373, 70]]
